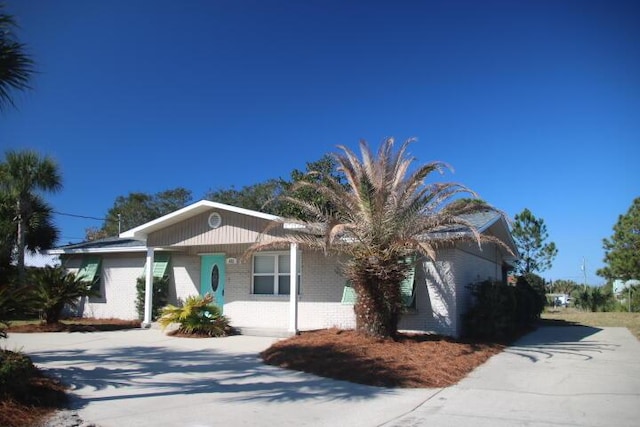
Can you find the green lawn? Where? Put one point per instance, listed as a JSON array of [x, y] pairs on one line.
[[630, 321]]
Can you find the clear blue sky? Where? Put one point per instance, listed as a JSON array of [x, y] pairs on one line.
[[534, 103]]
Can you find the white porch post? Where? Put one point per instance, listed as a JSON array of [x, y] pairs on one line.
[[148, 289], [293, 287]]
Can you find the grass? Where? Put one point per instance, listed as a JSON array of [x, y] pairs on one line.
[[630, 321]]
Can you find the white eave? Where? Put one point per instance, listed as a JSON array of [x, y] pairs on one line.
[[123, 249], [142, 231]]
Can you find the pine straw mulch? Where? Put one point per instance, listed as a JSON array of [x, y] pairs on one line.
[[45, 395], [412, 361], [77, 325]]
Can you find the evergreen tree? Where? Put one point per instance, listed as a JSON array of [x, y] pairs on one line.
[[530, 234], [622, 249]]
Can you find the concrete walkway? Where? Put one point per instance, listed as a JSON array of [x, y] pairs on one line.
[[558, 376]]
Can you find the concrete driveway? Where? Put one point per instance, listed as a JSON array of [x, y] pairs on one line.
[[556, 376]]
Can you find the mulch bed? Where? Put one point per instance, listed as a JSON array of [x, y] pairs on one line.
[[45, 395], [412, 361], [77, 325]]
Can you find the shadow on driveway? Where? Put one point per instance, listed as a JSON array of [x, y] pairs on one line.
[[134, 372], [548, 341]]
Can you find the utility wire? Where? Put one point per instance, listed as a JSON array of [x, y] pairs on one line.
[[82, 216]]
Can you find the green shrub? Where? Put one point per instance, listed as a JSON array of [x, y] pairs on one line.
[[197, 316], [501, 311], [53, 288], [492, 317], [16, 369], [593, 298], [159, 299], [531, 298], [5, 309]]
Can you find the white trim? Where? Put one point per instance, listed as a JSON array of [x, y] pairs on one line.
[[194, 209], [148, 289], [293, 289], [97, 250]]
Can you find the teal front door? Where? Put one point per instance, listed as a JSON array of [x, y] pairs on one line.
[[212, 277]]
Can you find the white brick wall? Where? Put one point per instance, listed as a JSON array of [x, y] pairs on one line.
[[441, 293], [319, 301], [118, 286]]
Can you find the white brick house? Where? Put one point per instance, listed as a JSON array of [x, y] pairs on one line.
[[200, 248]]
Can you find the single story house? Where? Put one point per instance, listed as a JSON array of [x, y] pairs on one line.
[[200, 249]]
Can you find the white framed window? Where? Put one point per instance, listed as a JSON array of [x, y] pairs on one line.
[[272, 272]]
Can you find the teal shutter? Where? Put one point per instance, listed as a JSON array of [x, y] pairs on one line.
[[408, 288], [348, 294], [89, 269], [160, 264]]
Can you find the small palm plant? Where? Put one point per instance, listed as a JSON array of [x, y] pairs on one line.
[[54, 288], [197, 316]]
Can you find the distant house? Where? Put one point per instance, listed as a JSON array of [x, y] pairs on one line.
[[200, 248]]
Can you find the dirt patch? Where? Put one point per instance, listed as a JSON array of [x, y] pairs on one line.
[[77, 325], [412, 361]]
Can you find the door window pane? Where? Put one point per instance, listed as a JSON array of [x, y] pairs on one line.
[[215, 278]]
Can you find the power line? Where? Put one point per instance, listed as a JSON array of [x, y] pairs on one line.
[[82, 216]]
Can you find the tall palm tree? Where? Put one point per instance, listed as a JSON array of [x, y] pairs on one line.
[[16, 67], [40, 231], [22, 175], [383, 218]]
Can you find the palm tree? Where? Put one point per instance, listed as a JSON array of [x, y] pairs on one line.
[[382, 219], [22, 174], [41, 233], [15, 66], [54, 288]]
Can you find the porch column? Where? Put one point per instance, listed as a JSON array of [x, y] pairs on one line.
[[293, 288], [148, 289]]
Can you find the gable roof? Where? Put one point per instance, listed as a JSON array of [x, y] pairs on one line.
[[142, 231], [483, 221]]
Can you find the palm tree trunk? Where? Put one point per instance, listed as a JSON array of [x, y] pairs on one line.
[[378, 308], [21, 244]]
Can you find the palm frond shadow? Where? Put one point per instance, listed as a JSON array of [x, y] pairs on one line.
[[135, 372], [572, 340]]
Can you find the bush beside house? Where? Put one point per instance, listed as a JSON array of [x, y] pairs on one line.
[[501, 311], [159, 299]]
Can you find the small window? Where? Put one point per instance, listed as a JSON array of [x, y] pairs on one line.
[[272, 274], [89, 272]]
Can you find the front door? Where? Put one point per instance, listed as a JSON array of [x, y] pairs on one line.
[[212, 277]]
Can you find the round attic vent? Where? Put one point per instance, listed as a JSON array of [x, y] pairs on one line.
[[215, 220]]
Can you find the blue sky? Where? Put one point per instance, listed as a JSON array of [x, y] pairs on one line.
[[535, 104]]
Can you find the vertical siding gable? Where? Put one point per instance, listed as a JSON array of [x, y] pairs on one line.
[[195, 231]]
